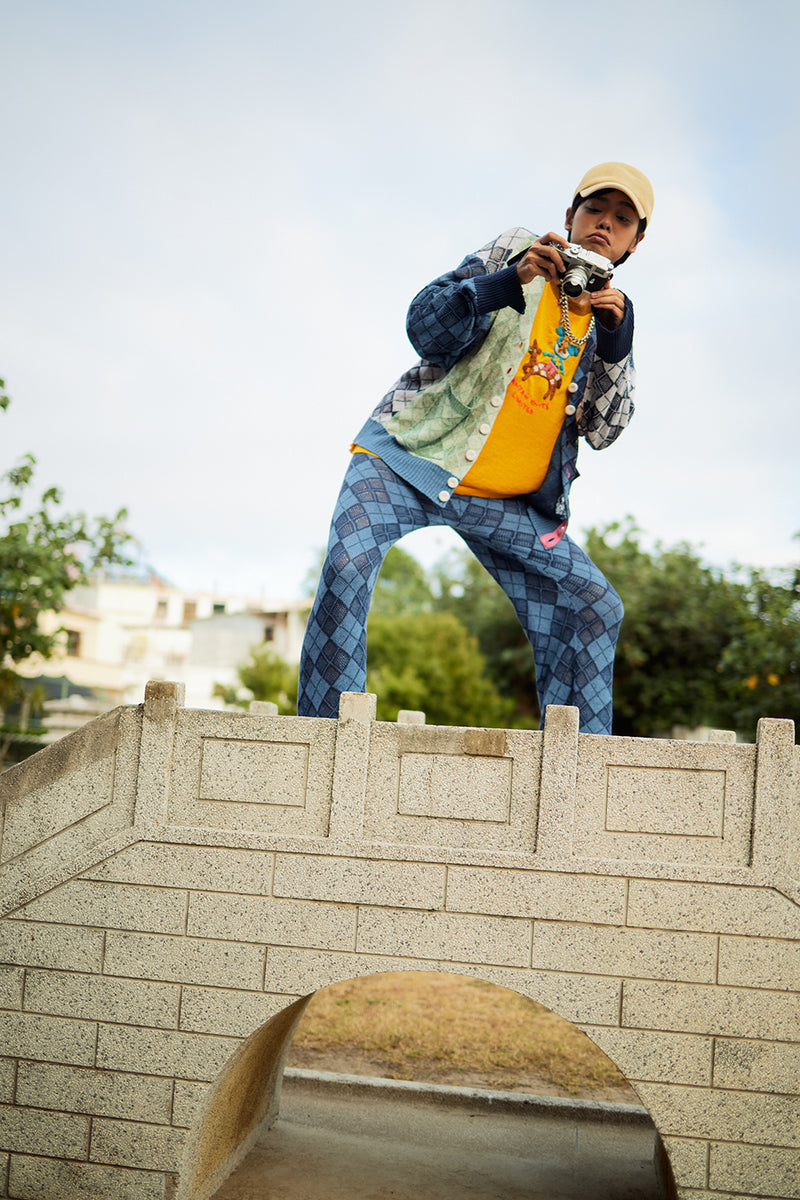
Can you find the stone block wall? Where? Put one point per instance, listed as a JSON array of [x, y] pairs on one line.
[[175, 884]]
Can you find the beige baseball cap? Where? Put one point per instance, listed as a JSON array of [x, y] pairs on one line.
[[636, 186]]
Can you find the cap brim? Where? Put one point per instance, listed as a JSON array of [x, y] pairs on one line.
[[617, 187]]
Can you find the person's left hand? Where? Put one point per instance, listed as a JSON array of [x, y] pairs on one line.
[[608, 306]]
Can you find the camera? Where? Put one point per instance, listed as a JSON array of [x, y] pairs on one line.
[[585, 270]]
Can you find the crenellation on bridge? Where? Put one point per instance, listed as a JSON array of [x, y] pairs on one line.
[[177, 883], [776, 778], [559, 777]]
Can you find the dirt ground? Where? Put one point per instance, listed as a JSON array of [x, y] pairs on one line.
[[353, 1063]]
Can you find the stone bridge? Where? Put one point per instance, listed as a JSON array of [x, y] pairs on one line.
[[177, 883]]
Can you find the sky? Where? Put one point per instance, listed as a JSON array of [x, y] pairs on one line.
[[214, 217]]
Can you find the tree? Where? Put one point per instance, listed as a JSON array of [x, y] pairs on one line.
[[761, 664], [424, 660], [466, 589], [428, 661], [403, 587], [265, 676], [697, 647], [678, 621], [44, 554]]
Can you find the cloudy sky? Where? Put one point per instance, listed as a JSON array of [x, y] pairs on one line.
[[214, 217]]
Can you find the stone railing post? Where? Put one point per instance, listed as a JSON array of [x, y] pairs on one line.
[[558, 780], [410, 716], [162, 702], [776, 798], [351, 756]]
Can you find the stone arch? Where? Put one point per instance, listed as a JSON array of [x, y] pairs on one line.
[[245, 1098], [648, 891]]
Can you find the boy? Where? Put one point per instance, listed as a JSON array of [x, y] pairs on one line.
[[482, 435]]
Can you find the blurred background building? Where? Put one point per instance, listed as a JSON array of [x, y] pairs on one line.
[[122, 630]]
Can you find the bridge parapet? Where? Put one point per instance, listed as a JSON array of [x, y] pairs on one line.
[[176, 883], [716, 811]]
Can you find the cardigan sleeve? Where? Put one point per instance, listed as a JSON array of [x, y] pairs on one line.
[[452, 315], [607, 405]]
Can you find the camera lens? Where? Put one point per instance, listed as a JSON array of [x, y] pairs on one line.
[[574, 281]]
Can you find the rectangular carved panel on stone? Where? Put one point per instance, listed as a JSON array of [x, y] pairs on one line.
[[444, 786], [691, 802], [257, 772], [455, 788], [663, 801], [252, 773]]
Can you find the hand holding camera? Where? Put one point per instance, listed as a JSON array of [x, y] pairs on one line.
[[584, 271], [553, 257], [542, 258], [556, 259]]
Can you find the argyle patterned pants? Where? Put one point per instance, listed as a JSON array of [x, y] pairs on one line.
[[570, 613]]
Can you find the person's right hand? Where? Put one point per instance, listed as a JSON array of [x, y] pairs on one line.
[[542, 259]]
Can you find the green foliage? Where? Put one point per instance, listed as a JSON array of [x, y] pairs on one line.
[[44, 554], [697, 648], [402, 587], [428, 661], [466, 589], [265, 677], [761, 663], [424, 660], [676, 627]]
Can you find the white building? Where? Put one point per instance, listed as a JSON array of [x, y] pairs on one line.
[[120, 632]]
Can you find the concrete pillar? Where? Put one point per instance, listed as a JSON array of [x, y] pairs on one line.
[[351, 756], [162, 703], [558, 779], [776, 797]]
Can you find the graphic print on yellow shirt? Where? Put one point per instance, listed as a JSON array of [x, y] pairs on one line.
[[516, 455]]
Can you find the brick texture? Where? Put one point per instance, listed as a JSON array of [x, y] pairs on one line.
[[154, 964]]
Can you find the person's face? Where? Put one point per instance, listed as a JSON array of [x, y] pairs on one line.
[[606, 223]]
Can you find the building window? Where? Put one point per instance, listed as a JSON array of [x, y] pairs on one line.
[[73, 643], [218, 609], [269, 633], [161, 610], [189, 611]]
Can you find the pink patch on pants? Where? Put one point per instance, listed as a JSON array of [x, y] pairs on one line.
[[552, 539]]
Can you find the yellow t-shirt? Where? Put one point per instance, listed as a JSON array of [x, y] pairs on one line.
[[517, 452]]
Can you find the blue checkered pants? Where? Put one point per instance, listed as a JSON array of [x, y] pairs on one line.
[[570, 613]]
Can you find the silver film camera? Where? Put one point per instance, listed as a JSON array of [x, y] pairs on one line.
[[585, 270]]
